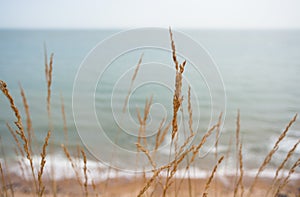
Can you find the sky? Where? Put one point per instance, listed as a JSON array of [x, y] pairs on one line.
[[240, 14]]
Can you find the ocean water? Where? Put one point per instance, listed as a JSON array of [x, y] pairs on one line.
[[260, 70]]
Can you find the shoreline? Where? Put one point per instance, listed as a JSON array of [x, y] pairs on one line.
[[123, 187]]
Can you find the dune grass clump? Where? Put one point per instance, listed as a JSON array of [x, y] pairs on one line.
[[271, 153], [26, 149]]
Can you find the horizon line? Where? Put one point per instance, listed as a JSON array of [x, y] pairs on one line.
[[128, 28]]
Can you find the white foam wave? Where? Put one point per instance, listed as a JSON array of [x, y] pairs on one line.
[[59, 167]]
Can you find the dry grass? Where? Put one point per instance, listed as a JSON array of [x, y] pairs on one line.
[[19, 146], [48, 75], [239, 183], [94, 186], [162, 181], [64, 119], [3, 189], [275, 181], [190, 111], [28, 118], [85, 184], [41, 187], [5, 91], [74, 166], [161, 134], [203, 140], [143, 121], [177, 98], [146, 152], [237, 140], [151, 180], [218, 134], [207, 185], [132, 81], [290, 153], [20, 130], [159, 131], [286, 180], [271, 153]]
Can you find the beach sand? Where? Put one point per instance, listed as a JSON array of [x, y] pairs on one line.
[[125, 187]]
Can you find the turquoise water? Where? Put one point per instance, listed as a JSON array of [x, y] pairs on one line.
[[260, 70]]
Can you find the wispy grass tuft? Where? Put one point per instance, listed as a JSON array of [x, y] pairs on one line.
[[20, 130], [286, 180], [271, 153], [177, 98]]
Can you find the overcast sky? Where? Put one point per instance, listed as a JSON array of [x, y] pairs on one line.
[[158, 13]]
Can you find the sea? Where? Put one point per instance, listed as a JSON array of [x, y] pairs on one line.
[[259, 71]]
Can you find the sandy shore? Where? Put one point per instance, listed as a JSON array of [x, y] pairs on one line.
[[122, 187]]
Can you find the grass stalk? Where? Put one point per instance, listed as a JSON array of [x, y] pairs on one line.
[[208, 182], [41, 187], [85, 184], [63, 113], [30, 132], [286, 180], [20, 130], [271, 153], [280, 167], [132, 82], [3, 189]]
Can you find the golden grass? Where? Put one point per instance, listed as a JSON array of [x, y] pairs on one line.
[[239, 158], [161, 135], [85, 184], [177, 98], [190, 111], [157, 137], [275, 181], [240, 183], [94, 186], [286, 180], [132, 81], [3, 189], [5, 91], [20, 130], [290, 153], [271, 153], [207, 185], [218, 134], [12, 132], [203, 140], [157, 180], [149, 182], [146, 152], [28, 118], [143, 121], [41, 187], [68, 155], [64, 119], [48, 75]]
